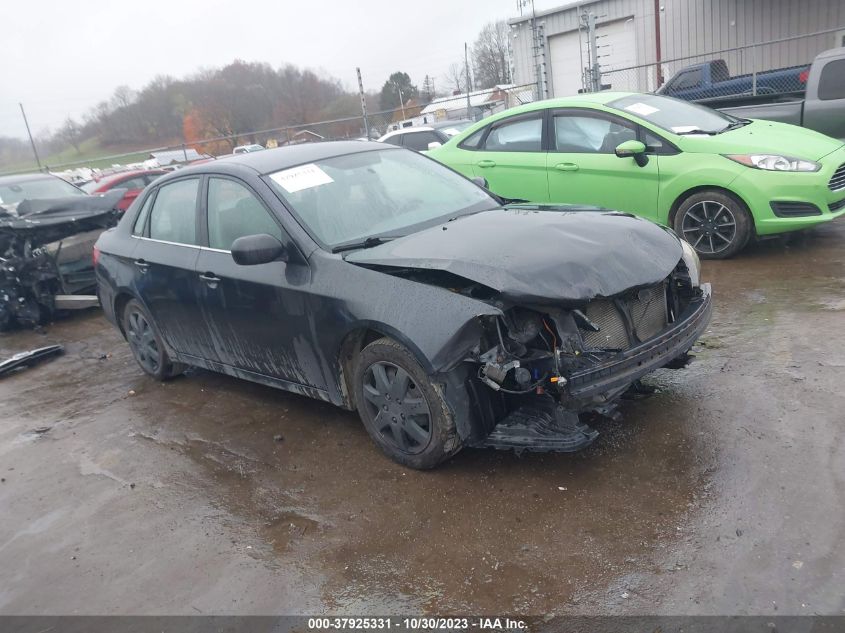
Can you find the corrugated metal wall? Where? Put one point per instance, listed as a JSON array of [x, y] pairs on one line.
[[697, 27]]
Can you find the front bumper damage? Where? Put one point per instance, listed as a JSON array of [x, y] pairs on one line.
[[547, 418]]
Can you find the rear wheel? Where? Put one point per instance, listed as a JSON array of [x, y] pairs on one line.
[[146, 344], [400, 408], [716, 224]]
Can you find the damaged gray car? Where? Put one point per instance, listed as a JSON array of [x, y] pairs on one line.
[[376, 279], [47, 230]]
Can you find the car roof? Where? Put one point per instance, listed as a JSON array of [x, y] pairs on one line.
[[11, 180], [124, 175], [273, 160]]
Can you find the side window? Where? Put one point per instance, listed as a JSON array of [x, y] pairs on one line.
[[688, 79], [233, 212], [654, 143], [832, 80], [152, 177], [473, 140], [521, 135], [133, 183], [396, 139], [419, 140], [587, 134], [173, 217], [141, 220]]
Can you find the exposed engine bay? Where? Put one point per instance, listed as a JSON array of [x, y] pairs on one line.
[[538, 367], [45, 251]]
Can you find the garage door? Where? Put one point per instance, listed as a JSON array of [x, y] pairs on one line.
[[617, 48]]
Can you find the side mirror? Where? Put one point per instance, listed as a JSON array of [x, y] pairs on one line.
[[251, 250], [481, 182], [633, 149], [434, 145]]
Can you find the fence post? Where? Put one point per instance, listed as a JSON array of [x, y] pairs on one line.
[[363, 103], [754, 70], [185, 152]]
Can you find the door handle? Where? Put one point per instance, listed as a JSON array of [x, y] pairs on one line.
[[142, 265], [486, 163], [566, 167], [210, 279]]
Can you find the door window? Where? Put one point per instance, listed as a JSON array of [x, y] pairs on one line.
[[688, 79], [832, 80], [419, 140], [233, 212], [588, 134], [133, 183], [141, 220], [473, 140], [520, 135], [174, 217], [396, 139]]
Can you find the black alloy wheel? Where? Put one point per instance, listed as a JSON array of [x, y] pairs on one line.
[[399, 410]]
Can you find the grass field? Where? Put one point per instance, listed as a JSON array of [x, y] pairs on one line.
[[90, 151]]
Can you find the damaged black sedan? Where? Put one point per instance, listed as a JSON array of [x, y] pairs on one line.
[[376, 279]]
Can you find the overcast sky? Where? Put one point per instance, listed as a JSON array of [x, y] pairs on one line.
[[61, 57]]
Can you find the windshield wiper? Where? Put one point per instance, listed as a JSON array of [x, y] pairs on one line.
[[707, 132], [367, 242], [736, 124]]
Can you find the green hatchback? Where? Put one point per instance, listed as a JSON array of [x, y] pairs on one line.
[[717, 180]]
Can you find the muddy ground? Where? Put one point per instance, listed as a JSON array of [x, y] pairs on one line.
[[722, 493]]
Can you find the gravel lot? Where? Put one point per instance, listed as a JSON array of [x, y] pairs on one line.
[[722, 493]]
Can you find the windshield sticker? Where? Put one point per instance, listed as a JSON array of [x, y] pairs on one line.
[[302, 177], [682, 129], [642, 109]]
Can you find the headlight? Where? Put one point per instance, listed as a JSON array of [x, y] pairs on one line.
[[774, 162], [692, 263]]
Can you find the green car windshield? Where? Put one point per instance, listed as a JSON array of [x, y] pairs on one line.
[[381, 193], [674, 115]]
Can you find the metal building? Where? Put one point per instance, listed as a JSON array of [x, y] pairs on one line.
[[641, 43]]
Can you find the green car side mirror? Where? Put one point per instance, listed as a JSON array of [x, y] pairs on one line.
[[633, 149]]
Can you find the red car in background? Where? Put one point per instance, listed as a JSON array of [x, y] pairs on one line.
[[133, 181]]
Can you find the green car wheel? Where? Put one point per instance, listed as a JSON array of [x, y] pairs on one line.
[[716, 224]]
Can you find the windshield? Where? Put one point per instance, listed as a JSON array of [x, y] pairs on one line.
[[38, 189], [388, 192], [674, 115]]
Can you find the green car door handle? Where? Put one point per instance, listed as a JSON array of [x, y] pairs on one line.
[[566, 167], [486, 163]]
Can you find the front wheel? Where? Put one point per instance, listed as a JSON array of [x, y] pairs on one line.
[[716, 224], [401, 409]]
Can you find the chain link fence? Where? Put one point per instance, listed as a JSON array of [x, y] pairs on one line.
[[778, 68], [480, 104]]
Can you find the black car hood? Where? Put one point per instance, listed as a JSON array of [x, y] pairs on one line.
[[539, 254]]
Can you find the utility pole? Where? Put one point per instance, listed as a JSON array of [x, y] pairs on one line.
[[363, 103], [31, 140], [401, 100], [466, 70]]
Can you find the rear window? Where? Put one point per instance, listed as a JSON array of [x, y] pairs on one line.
[[832, 81], [38, 189]]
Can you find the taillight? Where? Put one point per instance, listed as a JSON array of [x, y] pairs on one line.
[[95, 256], [803, 75]]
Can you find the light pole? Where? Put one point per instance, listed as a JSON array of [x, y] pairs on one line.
[[401, 100]]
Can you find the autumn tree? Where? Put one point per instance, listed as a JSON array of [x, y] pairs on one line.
[[490, 56], [397, 83]]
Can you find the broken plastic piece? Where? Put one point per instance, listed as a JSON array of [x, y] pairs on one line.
[[26, 359], [541, 427]]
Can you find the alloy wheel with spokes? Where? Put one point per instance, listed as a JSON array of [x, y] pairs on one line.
[[399, 410], [143, 342], [710, 226]]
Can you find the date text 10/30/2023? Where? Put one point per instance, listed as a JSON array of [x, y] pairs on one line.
[[416, 623]]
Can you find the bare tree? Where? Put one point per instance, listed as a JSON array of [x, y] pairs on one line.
[[455, 78], [70, 132], [490, 55], [123, 96]]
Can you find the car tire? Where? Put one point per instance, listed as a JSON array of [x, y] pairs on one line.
[[404, 413], [146, 344], [717, 224]]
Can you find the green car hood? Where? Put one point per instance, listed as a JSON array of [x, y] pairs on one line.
[[764, 137]]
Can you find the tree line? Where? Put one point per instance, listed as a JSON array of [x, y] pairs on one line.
[[246, 96]]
